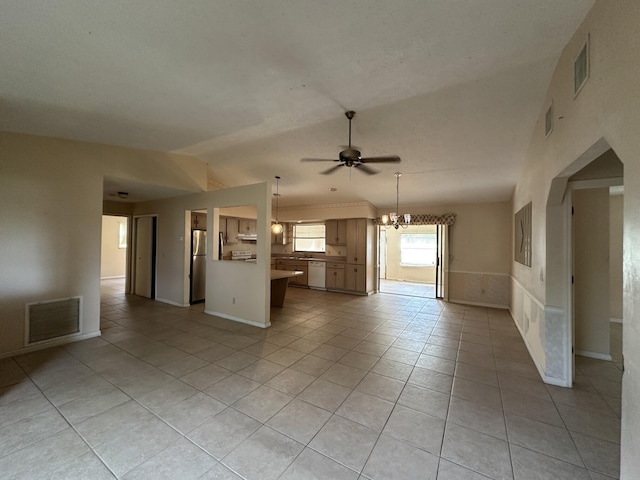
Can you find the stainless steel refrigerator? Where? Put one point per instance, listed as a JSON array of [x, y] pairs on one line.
[[198, 265]]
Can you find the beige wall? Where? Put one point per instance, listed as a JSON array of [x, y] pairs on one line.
[[235, 290], [113, 259], [51, 206], [479, 251], [606, 113]]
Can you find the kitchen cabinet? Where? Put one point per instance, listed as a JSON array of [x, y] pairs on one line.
[[198, 221], [302, 266], [356, 278], [229, 229], [247, 226], [335, 232], [335, 276], [357, 245]]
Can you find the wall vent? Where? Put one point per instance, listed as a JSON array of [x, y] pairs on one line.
[[548, 121], [51, 319], [581, 68]]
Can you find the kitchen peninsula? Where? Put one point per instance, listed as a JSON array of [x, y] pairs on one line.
[[279, 282]]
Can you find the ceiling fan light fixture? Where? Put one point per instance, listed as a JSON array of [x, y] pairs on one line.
[[351, 157]]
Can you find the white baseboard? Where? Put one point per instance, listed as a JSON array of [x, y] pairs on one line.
[[599, 356], [615, 320], [171, 302], [51, 343], [237, 319], [112, 278], [478, 304]]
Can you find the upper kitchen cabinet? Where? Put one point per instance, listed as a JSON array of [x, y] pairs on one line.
[[229, 229], [248, 226], [357, 241], [336, 232], [198, 221]]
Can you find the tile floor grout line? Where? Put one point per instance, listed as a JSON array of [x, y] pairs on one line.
[[84, 440]]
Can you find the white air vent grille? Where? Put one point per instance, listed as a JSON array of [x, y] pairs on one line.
[[53, 319], [581, 68]]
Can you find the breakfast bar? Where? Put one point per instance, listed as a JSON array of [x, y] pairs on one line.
[[279, 282]]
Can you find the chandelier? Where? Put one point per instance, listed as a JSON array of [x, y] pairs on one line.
[[394, 219], [276, 228]]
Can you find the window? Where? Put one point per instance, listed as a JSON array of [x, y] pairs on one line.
[[418, 249], [308, 238], [122, 235]]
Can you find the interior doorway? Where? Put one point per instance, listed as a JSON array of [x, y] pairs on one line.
[[144, 276], [408, 259], [596, 193], [114, 247]]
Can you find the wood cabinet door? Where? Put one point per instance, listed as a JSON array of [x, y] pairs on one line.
[[335, 278], [198, 221], [355, 278], [336, 232], [232, 231], [331, 232], [357, 241], [247, 226], [341, 226]]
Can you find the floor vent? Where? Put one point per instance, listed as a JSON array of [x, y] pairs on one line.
[[53, 319]]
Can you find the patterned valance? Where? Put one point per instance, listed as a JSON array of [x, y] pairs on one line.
[[426, 219]]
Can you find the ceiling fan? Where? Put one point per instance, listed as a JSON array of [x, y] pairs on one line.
[[352, 157]]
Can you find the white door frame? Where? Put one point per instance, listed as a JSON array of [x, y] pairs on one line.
[[134, 253]]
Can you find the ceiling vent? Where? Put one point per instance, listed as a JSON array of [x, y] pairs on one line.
[[548, 121], [581, 68]]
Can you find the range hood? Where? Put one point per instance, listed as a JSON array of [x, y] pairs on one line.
[[247, 237]]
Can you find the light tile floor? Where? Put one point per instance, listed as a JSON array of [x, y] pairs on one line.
[[340, 387], [413, 289]]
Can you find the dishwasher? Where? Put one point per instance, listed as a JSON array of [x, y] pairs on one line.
[[317, 275]]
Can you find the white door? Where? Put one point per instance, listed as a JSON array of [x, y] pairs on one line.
[[145, 257]]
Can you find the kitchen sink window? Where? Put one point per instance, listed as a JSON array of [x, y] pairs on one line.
[[418, 249], [309, 237]]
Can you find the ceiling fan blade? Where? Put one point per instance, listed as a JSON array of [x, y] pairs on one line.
[[332, 169], [365, 169], [391, 159], [319, 160]]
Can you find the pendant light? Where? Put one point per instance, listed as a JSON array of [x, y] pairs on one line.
[[394, 219], [276, 228]]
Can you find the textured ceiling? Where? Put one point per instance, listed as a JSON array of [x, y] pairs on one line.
[[453, 87]]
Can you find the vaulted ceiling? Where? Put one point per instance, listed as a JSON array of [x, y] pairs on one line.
[[453, 87]]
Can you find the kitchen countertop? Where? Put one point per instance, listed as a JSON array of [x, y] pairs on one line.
[[312, 259], [278, 274]]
